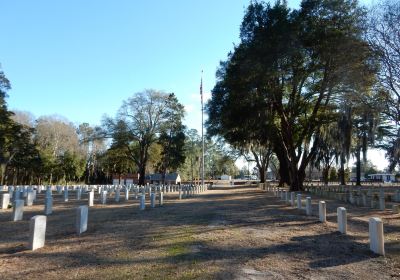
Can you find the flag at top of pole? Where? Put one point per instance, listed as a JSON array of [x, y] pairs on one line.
[[201, 88]]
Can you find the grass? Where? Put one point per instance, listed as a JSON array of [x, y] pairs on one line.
[[211, 236]]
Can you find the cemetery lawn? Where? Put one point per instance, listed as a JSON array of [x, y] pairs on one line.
[[240, 233]]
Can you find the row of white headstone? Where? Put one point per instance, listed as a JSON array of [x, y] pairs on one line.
[[184, 191], [376, 236], [358, 195], [38, 222]]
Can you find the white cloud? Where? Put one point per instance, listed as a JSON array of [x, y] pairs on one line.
[[188, 108], [195, 96], [207, 96]]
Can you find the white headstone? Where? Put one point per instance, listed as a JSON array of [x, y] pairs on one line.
[[376, 239], [48, 192], [48, 205], [66, 194], [142, 204], [81, 219], [37, 232], [91, 198], [308, 206], [342, 219], [126, 193], [322, 211], [18, 210], [117, 194], [161, 198], [299, 201], [103, 197], [152, 200], [78, 193], [29, 199], [5, 200], [17, 194], [292, 195]]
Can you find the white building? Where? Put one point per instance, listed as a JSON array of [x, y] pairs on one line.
[[226, 177], [382, 177]]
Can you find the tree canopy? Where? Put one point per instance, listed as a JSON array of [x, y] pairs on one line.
[[287, 77]]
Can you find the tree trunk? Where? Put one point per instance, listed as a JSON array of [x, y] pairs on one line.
[[262, 174], [325, 175], [2, 173], [163, 172], [341, 172], [142, 174], [296, 177], [358, 166], [284, 175]]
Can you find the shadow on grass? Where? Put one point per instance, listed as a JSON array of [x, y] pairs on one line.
[[206, 213], [317, 248]]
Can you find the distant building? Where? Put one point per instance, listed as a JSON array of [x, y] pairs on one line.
[[170, 178], [125, 179], [382, 177], [225, 177]]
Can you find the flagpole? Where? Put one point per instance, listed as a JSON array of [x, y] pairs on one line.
[[202, 129]]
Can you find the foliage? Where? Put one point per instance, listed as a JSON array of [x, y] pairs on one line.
[[141, 119], [384, 37], [284, 80]]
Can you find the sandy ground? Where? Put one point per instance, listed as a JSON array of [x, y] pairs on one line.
[[226, 233]]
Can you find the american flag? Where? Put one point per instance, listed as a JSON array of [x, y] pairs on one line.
[[201, 87]]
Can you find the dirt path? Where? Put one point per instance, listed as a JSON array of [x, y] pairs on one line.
[[240, 233]]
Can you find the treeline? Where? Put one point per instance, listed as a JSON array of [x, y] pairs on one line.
[[146, 136], [311, 87]]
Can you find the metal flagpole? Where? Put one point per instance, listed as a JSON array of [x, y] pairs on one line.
[[202, 129]]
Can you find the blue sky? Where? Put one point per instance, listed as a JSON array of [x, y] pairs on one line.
[[81, 59]]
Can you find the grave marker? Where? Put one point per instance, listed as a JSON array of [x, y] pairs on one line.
[[91, 198], [37, 232], [308, 206], [48, 206], [322, 211], [81, 219], [299, 201], [142, 204], [342, 219], [5, 200], [376, 239], [18, 210]]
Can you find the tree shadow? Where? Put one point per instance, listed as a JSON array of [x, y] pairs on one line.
[[207, 213]]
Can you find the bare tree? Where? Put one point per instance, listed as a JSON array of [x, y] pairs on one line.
[[56, 137], [137, 125], [384, 37], [24, 117]]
